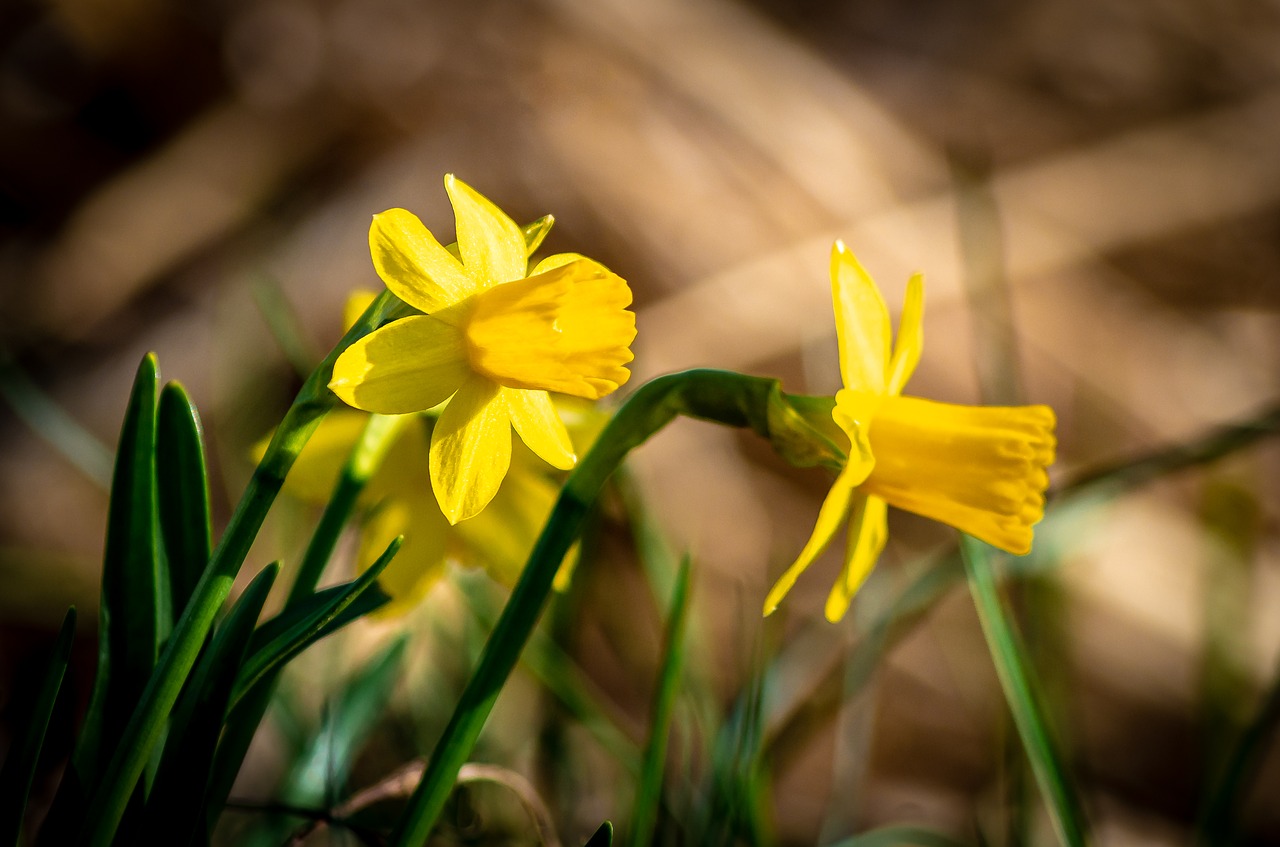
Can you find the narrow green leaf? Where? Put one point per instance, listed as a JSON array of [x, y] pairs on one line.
[[603, 836], [720, 396], [649, 792], [1012, 668], [183, 488], [24, 755], [279, 640], [50, 422], [317, 777], [101, 819], [173, 807], [900, 836], [243, 721], [134, 599], [285, 325]]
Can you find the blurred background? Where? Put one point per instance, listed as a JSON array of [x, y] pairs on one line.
[[1091, 189]]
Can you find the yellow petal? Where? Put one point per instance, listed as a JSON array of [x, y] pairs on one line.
[[315, 472], [499, 538], [408, 365], [868, 532], [906, 352], [557, 260], [413, 264], [539, 427], [834, 509], [470, 449], [419, 564], [566, 330], [491, 245], [357, 302], [862, 323]]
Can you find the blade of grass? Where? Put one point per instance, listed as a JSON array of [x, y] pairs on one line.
[[727, 398], [603, 837], [24, 755], [133, 603], [183, 492], [899, 836], [1013, 671], [243, 721], [278, 641], [649, 791], [51, 423], [317, 776], [561, 676], [1217, 820], [282, 320], [174, 804]]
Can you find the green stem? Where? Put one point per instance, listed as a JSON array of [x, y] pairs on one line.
[[147, 724], [720, 396], [1012, 668], [242, 723]]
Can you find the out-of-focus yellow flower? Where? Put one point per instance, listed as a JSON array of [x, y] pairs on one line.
[[397, 500], [494, 338], [981, 469]]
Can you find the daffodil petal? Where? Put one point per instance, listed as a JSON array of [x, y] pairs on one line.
[[315, 472], [868, 532], [357, 302], [502, 535], [413, 265], [491, 245], [862, 323], [470, 449], [906, 352], [419, 564], [539, 427], [834, 509], [406, 366], [559, 260]]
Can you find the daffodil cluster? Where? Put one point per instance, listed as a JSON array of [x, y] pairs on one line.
[[494, 338], [980, 469]]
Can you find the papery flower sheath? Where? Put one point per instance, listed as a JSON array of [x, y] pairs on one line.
[[980, 469], [494, 338]]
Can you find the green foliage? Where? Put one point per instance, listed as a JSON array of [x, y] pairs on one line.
[[20, 765]]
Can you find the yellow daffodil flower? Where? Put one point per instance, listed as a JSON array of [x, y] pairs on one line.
[[397, 500], [494, 338], [979, 469]]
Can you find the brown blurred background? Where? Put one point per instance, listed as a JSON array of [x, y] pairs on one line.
[[1092, 190]]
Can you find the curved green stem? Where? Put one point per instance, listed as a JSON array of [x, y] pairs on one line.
[[728, 398]]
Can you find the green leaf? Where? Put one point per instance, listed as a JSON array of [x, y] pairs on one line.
[[603, 836], [173, 808], [649, 791], [20, 765], [1013, 670], [317, 776], [50, 422], [720, 396], [277, 641], [134, 600], [183, 488], [900, 836]]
